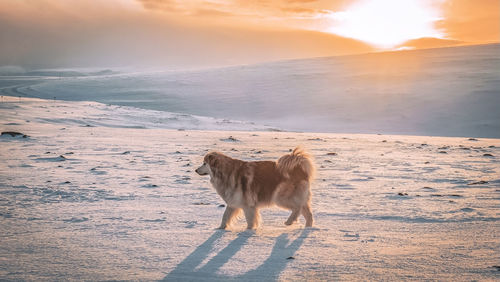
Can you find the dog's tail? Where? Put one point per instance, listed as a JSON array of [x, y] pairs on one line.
[[297, 164]]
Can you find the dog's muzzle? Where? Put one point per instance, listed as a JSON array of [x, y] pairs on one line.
[[200, 172]]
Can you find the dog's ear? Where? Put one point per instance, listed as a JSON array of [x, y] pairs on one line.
[[211, 159]]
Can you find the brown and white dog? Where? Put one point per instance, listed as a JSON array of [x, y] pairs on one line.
[[249, 186]]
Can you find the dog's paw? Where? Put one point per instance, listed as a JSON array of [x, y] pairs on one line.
[[288, 223]]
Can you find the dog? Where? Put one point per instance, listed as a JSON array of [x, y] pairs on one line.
[[249, 186]]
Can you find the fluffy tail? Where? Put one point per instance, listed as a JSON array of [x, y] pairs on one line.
[[297, 164]]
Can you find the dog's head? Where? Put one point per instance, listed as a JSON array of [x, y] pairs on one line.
[[209, 163]]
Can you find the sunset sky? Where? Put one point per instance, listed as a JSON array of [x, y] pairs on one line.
[[196, 33]]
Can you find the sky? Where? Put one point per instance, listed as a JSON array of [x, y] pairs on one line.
[[200, 33]]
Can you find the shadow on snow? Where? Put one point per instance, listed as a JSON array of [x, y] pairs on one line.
[[270, 269]]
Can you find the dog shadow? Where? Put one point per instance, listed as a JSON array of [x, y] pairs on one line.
[[281, 254]]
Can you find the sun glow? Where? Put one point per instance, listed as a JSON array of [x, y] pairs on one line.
[[387, 23]]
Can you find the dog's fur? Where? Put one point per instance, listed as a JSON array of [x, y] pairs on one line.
[[249, 186]]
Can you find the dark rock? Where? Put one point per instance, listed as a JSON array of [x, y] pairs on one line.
[[331, 154], [478, 182], [290, 258], [14, 134], [487, 155], [221, 205]]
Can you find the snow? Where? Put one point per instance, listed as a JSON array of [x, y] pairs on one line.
[[119, 200], [93, 114], [436, 92]]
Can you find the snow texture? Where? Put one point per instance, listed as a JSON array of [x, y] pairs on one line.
[[435, 92], [99, 192]]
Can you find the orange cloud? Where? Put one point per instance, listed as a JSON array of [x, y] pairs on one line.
[[202, 32], [53, 33], [462, 20], [429, 42], [471, 21]]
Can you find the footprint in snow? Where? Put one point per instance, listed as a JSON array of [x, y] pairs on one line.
[[61, 158], [352, 237], [190, 224], [230, 139]]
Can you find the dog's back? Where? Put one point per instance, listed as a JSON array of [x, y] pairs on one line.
[[265, 180]]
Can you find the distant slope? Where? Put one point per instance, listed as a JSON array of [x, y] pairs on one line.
[[442, 92]]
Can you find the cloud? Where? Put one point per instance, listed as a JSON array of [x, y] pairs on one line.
[[263, 9], [429, 42], [165, 5], [194, 33], [301, 1], [48, 33], [471, 21]]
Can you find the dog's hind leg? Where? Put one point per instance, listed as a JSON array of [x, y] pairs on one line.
[[252, 216], [228, 216], [293, 217], [306, 212]]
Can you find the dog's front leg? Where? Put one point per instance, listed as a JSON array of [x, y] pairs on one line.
[[228, 216], [252, 216]]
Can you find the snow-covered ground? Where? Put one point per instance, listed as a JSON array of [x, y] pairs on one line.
[[99, 192], [438, 92]]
